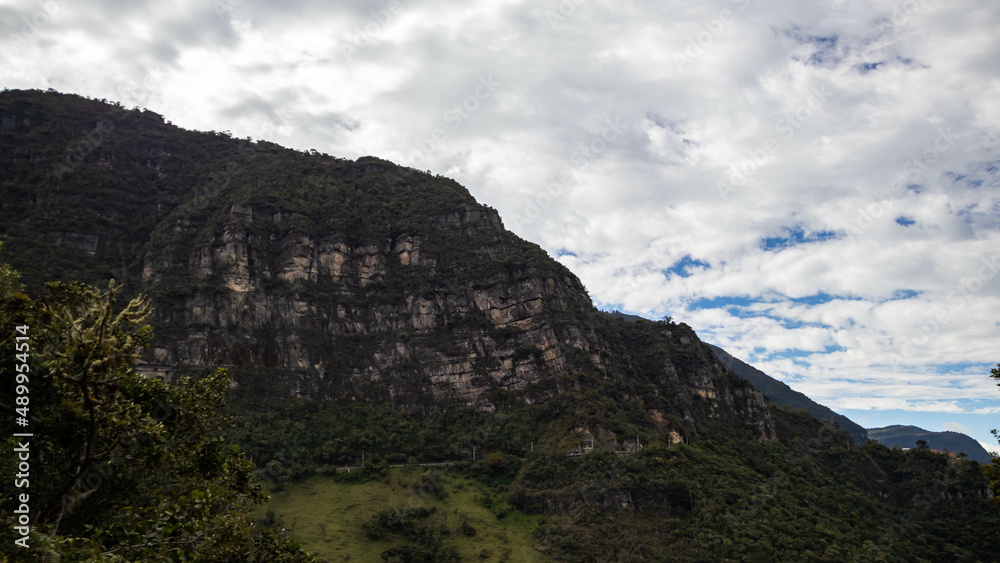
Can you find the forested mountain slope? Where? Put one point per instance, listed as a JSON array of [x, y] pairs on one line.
[[909, 436], [371, 311], [783, 395]]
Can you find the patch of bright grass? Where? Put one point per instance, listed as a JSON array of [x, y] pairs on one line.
[[325, 516]]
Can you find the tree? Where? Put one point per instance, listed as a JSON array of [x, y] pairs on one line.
[[122, 467], [993, 470]]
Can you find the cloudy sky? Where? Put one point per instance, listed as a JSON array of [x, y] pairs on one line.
[[811, 185]]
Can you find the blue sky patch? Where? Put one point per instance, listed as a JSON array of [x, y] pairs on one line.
[[962, 368], [680, 268], [729, 303], [794, 236], [793, 353], [821, 298], [905, 221], [657, 119], [825, 45], [865, 68]]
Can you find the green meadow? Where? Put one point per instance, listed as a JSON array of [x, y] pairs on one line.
[[328, 517]]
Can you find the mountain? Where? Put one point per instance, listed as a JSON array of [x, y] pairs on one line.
[[908, 436], [372, 315], [317, 277], [781, 394]]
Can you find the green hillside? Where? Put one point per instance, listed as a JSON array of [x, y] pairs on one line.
[[338, 520], [908, 436], [372, 316], [783, 395]]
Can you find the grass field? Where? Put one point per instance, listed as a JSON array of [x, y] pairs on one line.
[[325, 516]]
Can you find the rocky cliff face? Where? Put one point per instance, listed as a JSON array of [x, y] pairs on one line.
[[319, 277], [340, 312]]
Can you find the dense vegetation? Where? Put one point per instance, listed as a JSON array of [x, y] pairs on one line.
[[783, 395], [811, 496], [687, 461], [122, 468], [127, 187], [94, 192], [914, 437], [406, 513], [993, 470]]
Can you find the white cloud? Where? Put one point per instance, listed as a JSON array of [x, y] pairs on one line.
[[955, 427], [992, 448], [807, 114]]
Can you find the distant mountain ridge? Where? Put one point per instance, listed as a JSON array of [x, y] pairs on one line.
[[907, 436], [371, 314], [783, 395]]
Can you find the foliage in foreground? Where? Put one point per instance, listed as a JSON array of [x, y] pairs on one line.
[[122, 467], [993, 470]]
